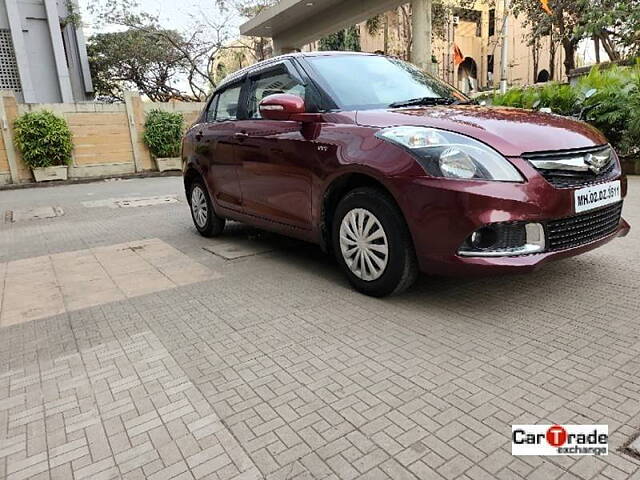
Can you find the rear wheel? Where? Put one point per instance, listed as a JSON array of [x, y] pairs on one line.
[[372, 243], [205, 219]]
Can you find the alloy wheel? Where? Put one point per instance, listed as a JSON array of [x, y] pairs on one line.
[[199, 206], [364, 244]]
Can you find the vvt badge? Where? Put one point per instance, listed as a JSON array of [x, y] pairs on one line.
[[559, 439]]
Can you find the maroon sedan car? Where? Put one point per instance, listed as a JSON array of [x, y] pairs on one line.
[[397, 172]]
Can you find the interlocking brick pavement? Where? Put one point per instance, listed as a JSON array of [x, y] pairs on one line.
[[274, 368], [120, 409]]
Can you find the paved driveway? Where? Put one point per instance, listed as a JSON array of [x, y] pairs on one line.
[[130, 347]]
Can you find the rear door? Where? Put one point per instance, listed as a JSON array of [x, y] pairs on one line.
[[217, 140], [276, 161]]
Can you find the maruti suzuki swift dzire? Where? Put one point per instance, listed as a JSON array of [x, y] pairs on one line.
[[397, 172]]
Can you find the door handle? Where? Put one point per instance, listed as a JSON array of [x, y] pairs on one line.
[[241, 135]]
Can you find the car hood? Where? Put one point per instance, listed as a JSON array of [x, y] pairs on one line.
[[511, 131]]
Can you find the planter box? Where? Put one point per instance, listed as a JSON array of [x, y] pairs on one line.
[[46, 174], [171, 163]]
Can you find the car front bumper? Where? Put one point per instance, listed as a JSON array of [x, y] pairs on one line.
[[442, 213]]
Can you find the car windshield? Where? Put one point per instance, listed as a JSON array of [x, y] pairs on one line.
[[361, 82]]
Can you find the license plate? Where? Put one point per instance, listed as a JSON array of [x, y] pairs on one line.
[[597, 196]]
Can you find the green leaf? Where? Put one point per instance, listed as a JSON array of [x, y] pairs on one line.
[[43, 139], [163, 133]]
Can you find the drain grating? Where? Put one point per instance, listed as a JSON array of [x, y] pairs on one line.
[[37, 213], [132, 202]]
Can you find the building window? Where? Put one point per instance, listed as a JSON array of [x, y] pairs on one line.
[[472, 17], [9, 73], [492, 22]]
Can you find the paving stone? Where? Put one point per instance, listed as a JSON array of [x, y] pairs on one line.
[[271, 367]]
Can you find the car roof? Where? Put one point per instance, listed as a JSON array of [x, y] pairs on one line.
[[258, 66]]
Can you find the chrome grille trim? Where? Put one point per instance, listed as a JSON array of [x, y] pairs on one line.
[[574, 164], [573, 168]]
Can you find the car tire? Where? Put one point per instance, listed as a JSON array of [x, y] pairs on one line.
[[369, 220], [204, 217]]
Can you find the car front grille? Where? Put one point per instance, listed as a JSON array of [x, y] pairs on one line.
[[583, 228], [561, 178], [564, 179]]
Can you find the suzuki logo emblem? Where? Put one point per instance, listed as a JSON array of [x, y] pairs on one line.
[[597, 161]]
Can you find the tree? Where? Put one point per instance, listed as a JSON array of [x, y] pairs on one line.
[[260, 47], [561, 25], [539, 26], [196, 48], [132, 59], [342, 40], [614, 24], [246, 8], [441, 11], [377, 24]]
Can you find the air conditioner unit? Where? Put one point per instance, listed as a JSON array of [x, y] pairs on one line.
[[455, 20]]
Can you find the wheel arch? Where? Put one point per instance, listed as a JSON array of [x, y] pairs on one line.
[[337, 189], [190, 175]]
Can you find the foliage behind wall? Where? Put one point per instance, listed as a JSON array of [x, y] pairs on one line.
[[343, 40], [609, 99]]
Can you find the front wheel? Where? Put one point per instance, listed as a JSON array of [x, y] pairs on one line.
[[205, 219], [372, 243]]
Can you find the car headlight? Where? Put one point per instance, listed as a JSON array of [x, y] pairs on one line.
[[451, 155]]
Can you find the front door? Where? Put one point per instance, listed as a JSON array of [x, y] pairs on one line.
[[276, 162]]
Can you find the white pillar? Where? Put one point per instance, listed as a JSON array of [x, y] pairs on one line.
[[421, 28], [64, 80]]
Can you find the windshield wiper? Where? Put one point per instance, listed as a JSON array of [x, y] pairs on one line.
[[465, 102], [423, 101]]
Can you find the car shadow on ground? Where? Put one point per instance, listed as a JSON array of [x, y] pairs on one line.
[[551, 288], [324, 264]]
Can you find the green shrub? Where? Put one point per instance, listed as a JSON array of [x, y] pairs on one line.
[[43, 139], [163, 133], [614, 106], [609, 99]]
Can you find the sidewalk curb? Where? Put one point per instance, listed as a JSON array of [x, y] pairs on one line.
[[74, 181]]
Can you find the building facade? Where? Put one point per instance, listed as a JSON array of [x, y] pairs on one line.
[[43, 56], [465, 42], [475, 33]]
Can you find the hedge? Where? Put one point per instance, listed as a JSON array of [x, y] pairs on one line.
[[608, 99]]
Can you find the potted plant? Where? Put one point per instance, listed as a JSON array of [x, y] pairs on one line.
[[163, 135], [45, 142]]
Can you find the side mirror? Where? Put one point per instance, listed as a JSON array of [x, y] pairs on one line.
[[281, 106]]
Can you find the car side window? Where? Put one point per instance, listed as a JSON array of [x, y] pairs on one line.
[[228, 101], [211, 110], [270, 83]]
